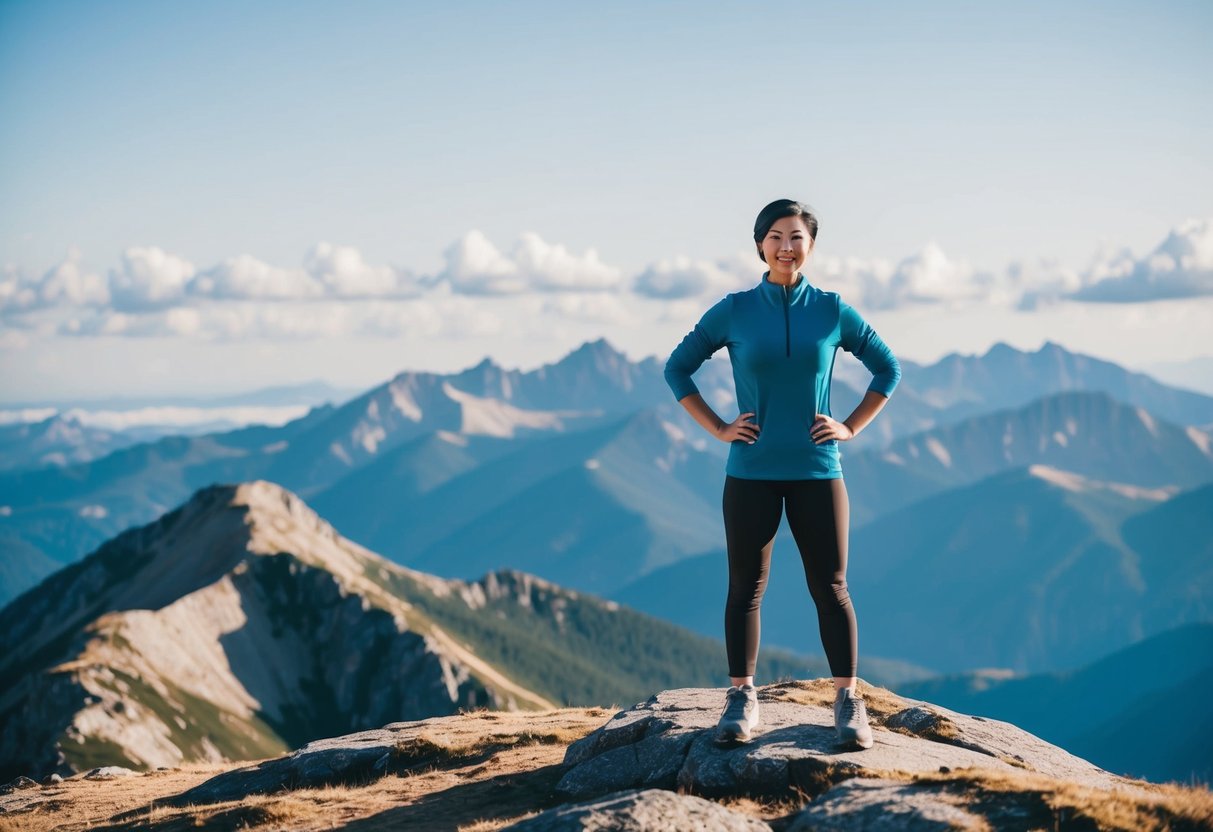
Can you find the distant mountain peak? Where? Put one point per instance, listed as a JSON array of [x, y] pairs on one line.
[[486, 363], [597, 350], [1000, 349]]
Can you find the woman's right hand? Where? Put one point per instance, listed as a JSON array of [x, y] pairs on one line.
[[740, 428]]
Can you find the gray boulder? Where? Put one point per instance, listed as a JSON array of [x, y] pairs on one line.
[[878, 805], [108, 773], [17, 785], [323, 762], [667, 742], [651, 810]]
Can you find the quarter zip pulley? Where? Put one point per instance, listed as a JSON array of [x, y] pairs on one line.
[[787, 323]]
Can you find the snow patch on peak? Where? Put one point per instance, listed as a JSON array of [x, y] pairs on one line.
[[1078, 483], [453, 438], [1136, 492], [939, 451], [1148, 421], [673, 431], [491, 417], [369, 436], [1199, 438], [1064, 479], [402, 399]]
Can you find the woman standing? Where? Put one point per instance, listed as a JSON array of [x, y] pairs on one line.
[[782, 336]]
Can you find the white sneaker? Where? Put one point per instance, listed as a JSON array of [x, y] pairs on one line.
[[740, 715], [851, 719]]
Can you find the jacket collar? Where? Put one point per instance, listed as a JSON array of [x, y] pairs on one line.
[[775, 292]]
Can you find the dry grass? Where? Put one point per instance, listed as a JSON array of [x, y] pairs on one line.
[[881, 702], [79, 804], [479, 771], [1139, 807]]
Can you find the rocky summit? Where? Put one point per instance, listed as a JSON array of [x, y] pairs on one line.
[[651, 766]]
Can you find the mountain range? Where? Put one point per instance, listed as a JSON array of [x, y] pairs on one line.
[[586, 473], [1030, 569], [1158, 686]]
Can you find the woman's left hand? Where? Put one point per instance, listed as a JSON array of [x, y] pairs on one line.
[[825, 428]]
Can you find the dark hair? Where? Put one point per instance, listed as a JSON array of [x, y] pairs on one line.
[[777, 210]]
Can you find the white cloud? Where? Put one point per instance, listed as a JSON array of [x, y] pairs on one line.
[[475, 266], [555, 268], [1032, 284], [16, 293], [64, 285], [245, 277], [1181, 267], [249, 321], [860, 281], [344, 273], [930, 276], [485, 293], [329, 271], [149, 278], [67, 284], [683, 277]]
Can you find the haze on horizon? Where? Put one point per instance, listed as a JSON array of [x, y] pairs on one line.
[[205, 199]]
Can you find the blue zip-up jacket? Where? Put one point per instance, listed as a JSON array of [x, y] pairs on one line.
[[782, 341]]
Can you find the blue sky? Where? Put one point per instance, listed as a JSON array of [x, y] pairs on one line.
[[220, 195]]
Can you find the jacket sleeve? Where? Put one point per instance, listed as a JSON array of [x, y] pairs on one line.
[[709, 335], [861, 340]]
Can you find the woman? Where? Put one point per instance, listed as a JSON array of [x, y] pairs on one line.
[[782, 336]]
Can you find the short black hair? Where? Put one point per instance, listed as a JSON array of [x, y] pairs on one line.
[[777, 210]]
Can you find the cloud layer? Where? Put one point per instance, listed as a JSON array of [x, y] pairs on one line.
[[483, 290], [1181, 267]]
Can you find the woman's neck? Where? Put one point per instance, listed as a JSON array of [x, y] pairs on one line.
[[781, 280]]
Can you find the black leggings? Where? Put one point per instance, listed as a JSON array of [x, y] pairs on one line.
[[819, 515]]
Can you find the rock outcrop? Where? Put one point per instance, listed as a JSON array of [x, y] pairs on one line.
[[667, 743], [648, 809], [656, 765]]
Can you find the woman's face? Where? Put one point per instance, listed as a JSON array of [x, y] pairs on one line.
[[786, 246]]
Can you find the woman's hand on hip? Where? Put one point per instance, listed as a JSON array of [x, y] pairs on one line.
[[826, 428], [740, 428]]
